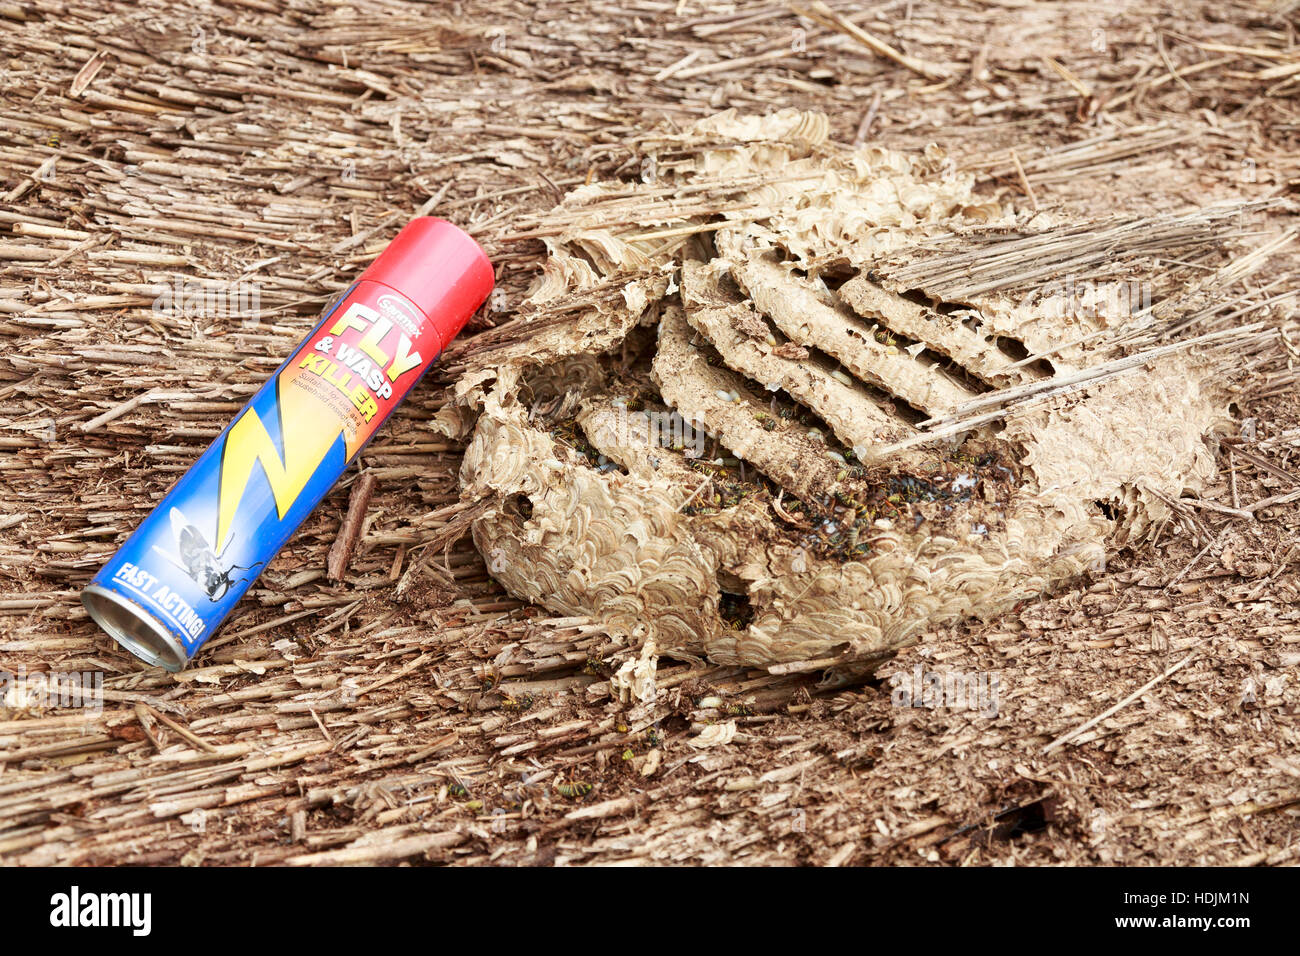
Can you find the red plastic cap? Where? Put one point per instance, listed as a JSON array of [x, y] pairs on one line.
[[440, 269]]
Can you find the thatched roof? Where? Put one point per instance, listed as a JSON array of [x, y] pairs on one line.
[[414, 712]]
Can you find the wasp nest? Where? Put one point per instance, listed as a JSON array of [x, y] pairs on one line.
[[721, 423]]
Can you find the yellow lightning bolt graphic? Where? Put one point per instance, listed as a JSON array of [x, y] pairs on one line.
[[248, 442]]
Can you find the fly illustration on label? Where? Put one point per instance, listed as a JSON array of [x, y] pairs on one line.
[[197, 559]]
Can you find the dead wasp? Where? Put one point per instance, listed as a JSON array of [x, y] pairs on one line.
[[517, 704], [910, 488], [595, 667], [457, 791], [573, 789]]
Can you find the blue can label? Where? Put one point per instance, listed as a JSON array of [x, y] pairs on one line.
[[193, 558]]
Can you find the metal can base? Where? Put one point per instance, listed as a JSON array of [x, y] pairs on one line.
[[134, 628]]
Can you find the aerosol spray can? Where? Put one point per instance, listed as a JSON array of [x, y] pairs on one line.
[[173, 582]]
